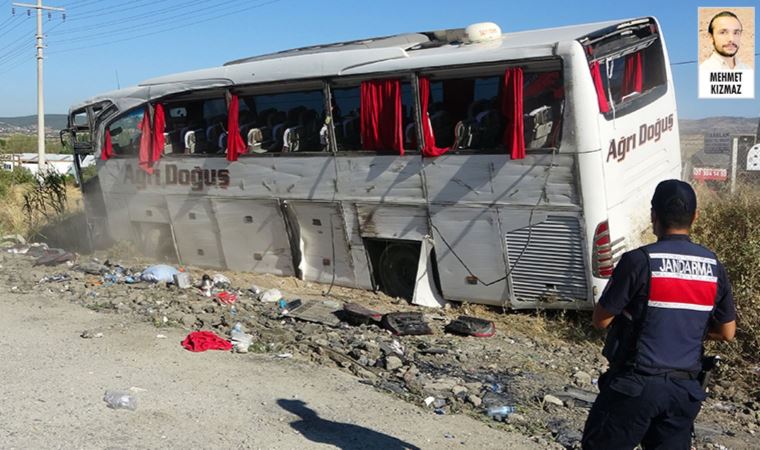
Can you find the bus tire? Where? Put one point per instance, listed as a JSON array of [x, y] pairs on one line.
[[397, 270]]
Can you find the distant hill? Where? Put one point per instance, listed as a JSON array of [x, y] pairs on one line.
[[732, 125], [54, 121]]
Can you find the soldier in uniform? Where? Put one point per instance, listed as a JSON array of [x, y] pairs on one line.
[[662, 301]]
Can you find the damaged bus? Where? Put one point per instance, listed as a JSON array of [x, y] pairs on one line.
[[508, 169]]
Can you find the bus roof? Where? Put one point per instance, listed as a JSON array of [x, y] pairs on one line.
[[398, 52]]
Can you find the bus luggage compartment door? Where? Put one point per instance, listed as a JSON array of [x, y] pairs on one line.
[[473, 235], [196, 231], [253, 236]]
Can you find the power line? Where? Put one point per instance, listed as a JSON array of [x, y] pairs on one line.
[[21, 22], [110, 10], [164, 30], [124, 20], [683, 63]]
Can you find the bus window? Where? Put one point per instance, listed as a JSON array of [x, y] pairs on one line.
[[125, 133], [347, 111], [630, 76], [283, 122], [197, 125], [631, 65], [543, 103], [466, 113]]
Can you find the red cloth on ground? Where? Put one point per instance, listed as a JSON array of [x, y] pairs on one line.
[[107, 151], [200, 341], [235, 144]]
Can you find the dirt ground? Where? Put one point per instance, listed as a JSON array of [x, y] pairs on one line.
[[54, 381], [368, 388]]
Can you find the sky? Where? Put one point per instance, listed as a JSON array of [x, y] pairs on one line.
[[105, 44]]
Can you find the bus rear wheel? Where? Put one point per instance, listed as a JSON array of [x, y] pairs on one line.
[[397, 269]]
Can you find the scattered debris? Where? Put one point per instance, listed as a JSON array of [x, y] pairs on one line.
[[220, 281], [120, 400], [183, 280], [56, 278], [89, 334], [318, 312], [406, 324], [200, 341], [226, 298], [271, 296], [471, 326], [356, 314], [159, 273]]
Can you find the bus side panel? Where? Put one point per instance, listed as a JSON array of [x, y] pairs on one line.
[[196, 231], [547, 261], [380, 178], [498, 179], [251, 232], [474, 236], [638, 151]]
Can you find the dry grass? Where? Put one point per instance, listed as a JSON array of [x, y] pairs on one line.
[[729, 225], [14, 220]]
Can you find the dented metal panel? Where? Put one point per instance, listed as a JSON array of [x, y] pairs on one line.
[[149, 208], [196, 231], [253, 236], [393, 221], [324, 251], [499, 179], [546, 258], [117, 210], [380, 178], [359, 256], [281, 177], [474, 235]]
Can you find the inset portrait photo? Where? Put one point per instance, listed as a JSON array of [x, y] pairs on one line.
[[726, 52]]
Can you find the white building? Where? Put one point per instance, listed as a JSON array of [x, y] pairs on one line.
[[61, 163]]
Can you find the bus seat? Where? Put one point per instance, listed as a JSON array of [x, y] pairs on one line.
[[538, 126], [410, 135], [189, 141], [291, 139], [168, 147], [443, 128], [255, 139], [222, 141]]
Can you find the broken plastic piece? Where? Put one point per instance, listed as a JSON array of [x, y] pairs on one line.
[[406, 324], [471, 326], [356, 314]]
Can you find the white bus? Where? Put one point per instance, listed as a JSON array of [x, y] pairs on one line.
[[505, 169]]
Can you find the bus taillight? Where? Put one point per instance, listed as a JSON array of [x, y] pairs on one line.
[[602, 251]]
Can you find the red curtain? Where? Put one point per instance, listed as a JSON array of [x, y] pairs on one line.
[[235, 143], [152, 138], [600, 95], [633, 77], [107, 151], [146, 142], [512, 109], [427, 130], [381, 116]]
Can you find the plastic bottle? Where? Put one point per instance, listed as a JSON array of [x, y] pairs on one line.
[[120, 400], [500, 412]]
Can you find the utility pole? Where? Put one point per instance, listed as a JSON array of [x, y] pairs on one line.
[[40, 99]]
